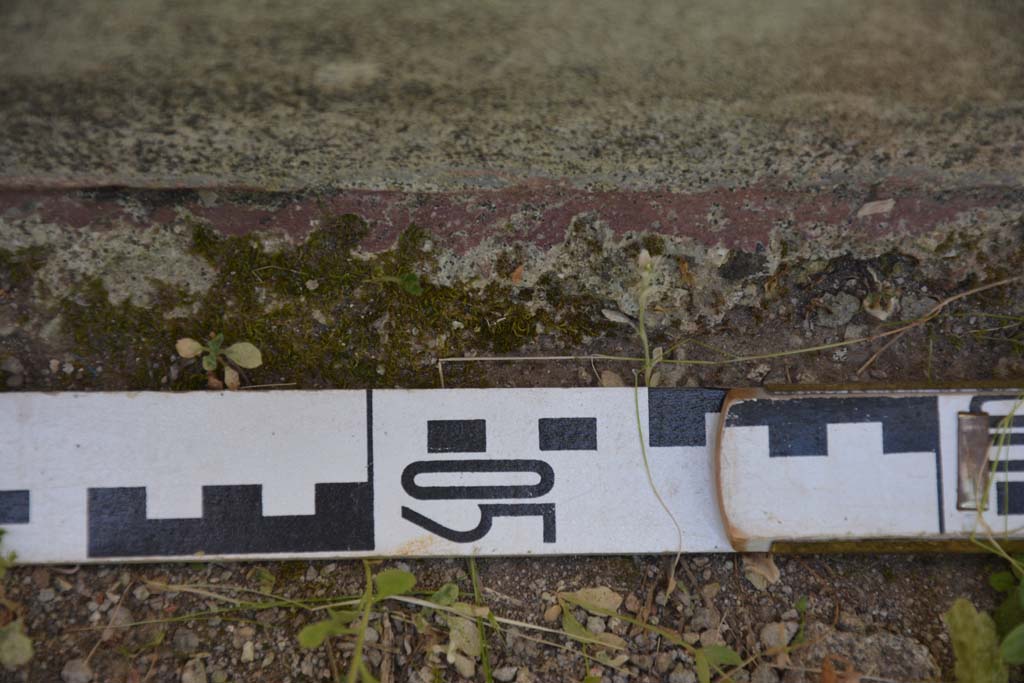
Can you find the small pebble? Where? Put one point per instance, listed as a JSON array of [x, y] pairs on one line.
[[682, 675], [764, 673], [46, 595], [505, 673], [711, 637], [596, 624], [185, 641], [248, 652], [76, 671], [41, 577], [776, 635], [553, 613], [663, 662], [141, 593], [194, 671], [117, 622], [850, 622]]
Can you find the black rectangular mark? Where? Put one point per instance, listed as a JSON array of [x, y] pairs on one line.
[[1010, 497], [676, 417], [456, 436], [232, 523], [799, 427], [13, 507], [568, 433]]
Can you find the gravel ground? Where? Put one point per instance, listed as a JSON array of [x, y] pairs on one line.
[[882, 612]]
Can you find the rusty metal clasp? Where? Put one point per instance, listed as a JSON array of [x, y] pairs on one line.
[[972, 444]]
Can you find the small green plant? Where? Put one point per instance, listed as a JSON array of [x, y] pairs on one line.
[[234, 358], [465, 641], [801, 606], [986, 645], [15, 645], [389, 582]]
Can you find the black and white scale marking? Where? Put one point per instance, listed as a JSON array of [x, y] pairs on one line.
[[102, 476], [859, 467]]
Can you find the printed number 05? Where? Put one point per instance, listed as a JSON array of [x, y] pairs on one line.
[[488, 511]]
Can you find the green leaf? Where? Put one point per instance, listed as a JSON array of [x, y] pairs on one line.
[[1002, 581], [1012, 647], [209, 362], [703, 669], [472, 611], [244, 355], [721, 655], [600, 600], [410, 282], [611, 640], [337, 625], [15, 646], [316, 633], [464, 635], [572, 626], [188, 347], [975, 645], [1009, 613], [801, 604], [215, 344], [394, 582], [343, 616], [265, 579], [608, 660], [592, 679], [445, 595]]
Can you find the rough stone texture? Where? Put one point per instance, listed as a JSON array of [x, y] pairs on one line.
[[899, 657], [653, 94]]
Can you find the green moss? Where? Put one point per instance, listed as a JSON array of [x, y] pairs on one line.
[[321, 315], [654, 244], [18, 267]]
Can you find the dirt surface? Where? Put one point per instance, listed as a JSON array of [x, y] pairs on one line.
[[859, 595], [261, 170]]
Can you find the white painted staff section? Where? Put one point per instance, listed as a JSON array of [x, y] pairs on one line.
[[156, 476], [58, 450], [861, 466], [57, 446], [603, 502], [852, 492]]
